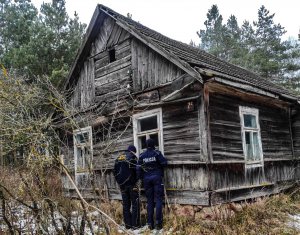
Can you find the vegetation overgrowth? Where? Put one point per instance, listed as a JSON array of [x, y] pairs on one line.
[[268, 215]]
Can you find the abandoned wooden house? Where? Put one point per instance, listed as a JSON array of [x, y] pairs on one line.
[[227, 133]]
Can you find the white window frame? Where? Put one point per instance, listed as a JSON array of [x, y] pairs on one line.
[[159, 130], [88, 144], [252, 111]]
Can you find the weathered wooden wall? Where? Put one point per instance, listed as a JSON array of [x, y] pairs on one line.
[[181, 133], [295, 125], [225, 129], [149, 68], [185, 184], [232, 182], [97, 76], [203, 157], [229, 178], [235, 176]]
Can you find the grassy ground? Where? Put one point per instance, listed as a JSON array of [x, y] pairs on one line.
[[269, 215]]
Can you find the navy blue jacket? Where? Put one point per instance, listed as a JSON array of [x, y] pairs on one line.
[[151, 162], [125, 169]]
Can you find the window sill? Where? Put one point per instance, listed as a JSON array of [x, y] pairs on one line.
[[253, 164]]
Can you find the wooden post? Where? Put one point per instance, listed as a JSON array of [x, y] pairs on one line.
[[207, 115]]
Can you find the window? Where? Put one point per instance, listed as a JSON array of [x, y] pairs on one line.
[[148, 125], [112, 55], [83, 149], [251, 136]]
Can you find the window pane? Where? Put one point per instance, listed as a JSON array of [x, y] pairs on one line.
[[87, 156], [155, 138], [247, 137], [249, 149], [148, 123], [250, 121], [82, 138], [142, 143], [256, 149], [79, 158]]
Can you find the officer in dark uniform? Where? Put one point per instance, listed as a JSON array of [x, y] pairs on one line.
[[150, 170], [125, 174]]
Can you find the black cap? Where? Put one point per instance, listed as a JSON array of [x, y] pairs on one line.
[[131, 148], [150, 143]]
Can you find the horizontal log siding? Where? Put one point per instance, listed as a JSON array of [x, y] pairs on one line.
[[111, 80], [97, 76], [295, 115], [225, 129], [181, 177], [149, 68], [235, 176], [109, 141], [181, 133]]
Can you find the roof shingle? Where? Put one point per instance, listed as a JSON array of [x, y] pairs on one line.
[[199, 58]]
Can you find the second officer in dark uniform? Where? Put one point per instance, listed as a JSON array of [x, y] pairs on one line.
[[125, 174], [150, 170]]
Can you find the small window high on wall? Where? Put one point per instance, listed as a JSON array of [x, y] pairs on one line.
[[148, 125], [112, 55], [83, 149], [251, 137]]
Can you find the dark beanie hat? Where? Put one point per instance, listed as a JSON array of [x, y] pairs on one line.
[[150, 143], [131, 148]]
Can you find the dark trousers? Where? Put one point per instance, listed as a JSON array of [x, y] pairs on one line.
[[131, 207], [154, 190]]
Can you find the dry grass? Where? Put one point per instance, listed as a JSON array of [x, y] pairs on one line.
[[269, 215]]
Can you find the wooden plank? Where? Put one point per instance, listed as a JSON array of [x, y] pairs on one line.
[[148, 97], [116, 94], [143, 67], [207, 116], [92, 72], [180, 142], [226, 132], [111, 86], [183, 65], [134, 66], [123, 52], [114, 36], [114, 76], [124, 35], [202, 122], [113, 67], [105, 32]]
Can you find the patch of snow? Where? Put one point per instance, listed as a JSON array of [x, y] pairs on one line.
[[295, 221]]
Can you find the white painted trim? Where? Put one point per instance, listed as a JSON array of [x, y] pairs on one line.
[[142, 115], [254, 112], [90, 145]]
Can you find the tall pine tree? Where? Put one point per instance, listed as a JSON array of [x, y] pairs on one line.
[[46, 45], [258, 47]]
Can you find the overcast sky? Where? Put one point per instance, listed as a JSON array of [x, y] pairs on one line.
[[180, 19]]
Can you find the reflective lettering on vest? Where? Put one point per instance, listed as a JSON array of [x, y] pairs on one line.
[[150, 159]]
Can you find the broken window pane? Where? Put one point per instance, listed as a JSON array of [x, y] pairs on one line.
[[82, 138], [148, 123]]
